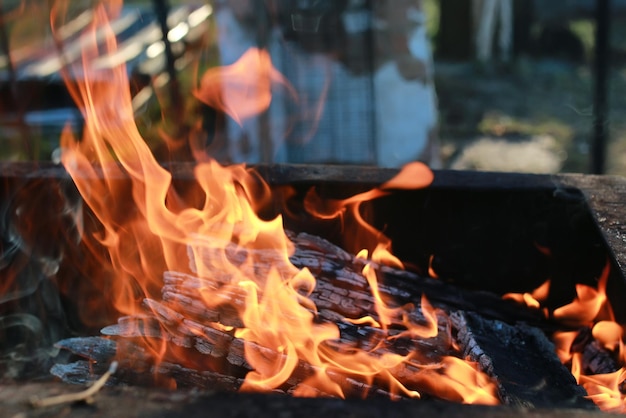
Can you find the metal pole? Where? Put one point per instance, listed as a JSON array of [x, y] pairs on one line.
[[600, 103], [162, 8]]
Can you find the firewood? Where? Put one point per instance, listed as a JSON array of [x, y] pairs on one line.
[[81, 372], [191, 378], [95, 349], [85, 395], [521, 359], [340, 285], [195, 312], [219, 344], [145, 326], [407, 287]]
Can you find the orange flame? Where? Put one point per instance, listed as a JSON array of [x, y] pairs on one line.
[[243, 89], [533, 299], [590, 309], [221, 235], [604, 390], [415, 175], [588, 303]]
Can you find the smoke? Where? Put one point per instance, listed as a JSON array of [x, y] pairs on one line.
[[39, 221]]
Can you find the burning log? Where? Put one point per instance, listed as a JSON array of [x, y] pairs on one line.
[[521, 359], [204, 332], [342, 288], [139, 369], [86, 395]]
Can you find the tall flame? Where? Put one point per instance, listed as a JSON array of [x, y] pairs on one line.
[[227, 241]]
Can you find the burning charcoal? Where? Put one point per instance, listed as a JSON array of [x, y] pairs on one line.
[[350, 279], [521, 359], [99, 353], [178, 279], [598, 360], [352, 388], [405, 287], [205, 251]]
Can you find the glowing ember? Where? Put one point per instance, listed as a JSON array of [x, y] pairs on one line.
[[246, 256]]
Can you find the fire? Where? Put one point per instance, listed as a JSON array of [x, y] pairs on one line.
[[363, 235], [533, 299], [590, 310], [243, 89], [221, 237]]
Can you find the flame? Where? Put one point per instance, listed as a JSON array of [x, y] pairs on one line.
[[533, 299], [149, 228], [431, 270], [605, 390], [243, 89], [609, 334], [589, 310], [414, 175], [587, 305]]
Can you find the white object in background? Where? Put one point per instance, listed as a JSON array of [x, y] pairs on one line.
[[406, 110], [488, 13]]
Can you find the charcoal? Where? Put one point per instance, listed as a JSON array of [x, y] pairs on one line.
[[522, 360], [598, 360]]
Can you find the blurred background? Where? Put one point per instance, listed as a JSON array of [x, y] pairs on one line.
[[502, 85]]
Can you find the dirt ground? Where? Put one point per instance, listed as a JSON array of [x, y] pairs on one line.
[[529, 116]]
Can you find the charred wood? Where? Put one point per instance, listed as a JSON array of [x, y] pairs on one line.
[[403, 286], [522, 360], [341, 287], [197, 314], [595, 358]]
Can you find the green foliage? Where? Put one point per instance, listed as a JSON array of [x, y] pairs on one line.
[[431, 9], [584, 29]]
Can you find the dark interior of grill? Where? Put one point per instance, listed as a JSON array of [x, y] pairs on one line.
[[487, 237]]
